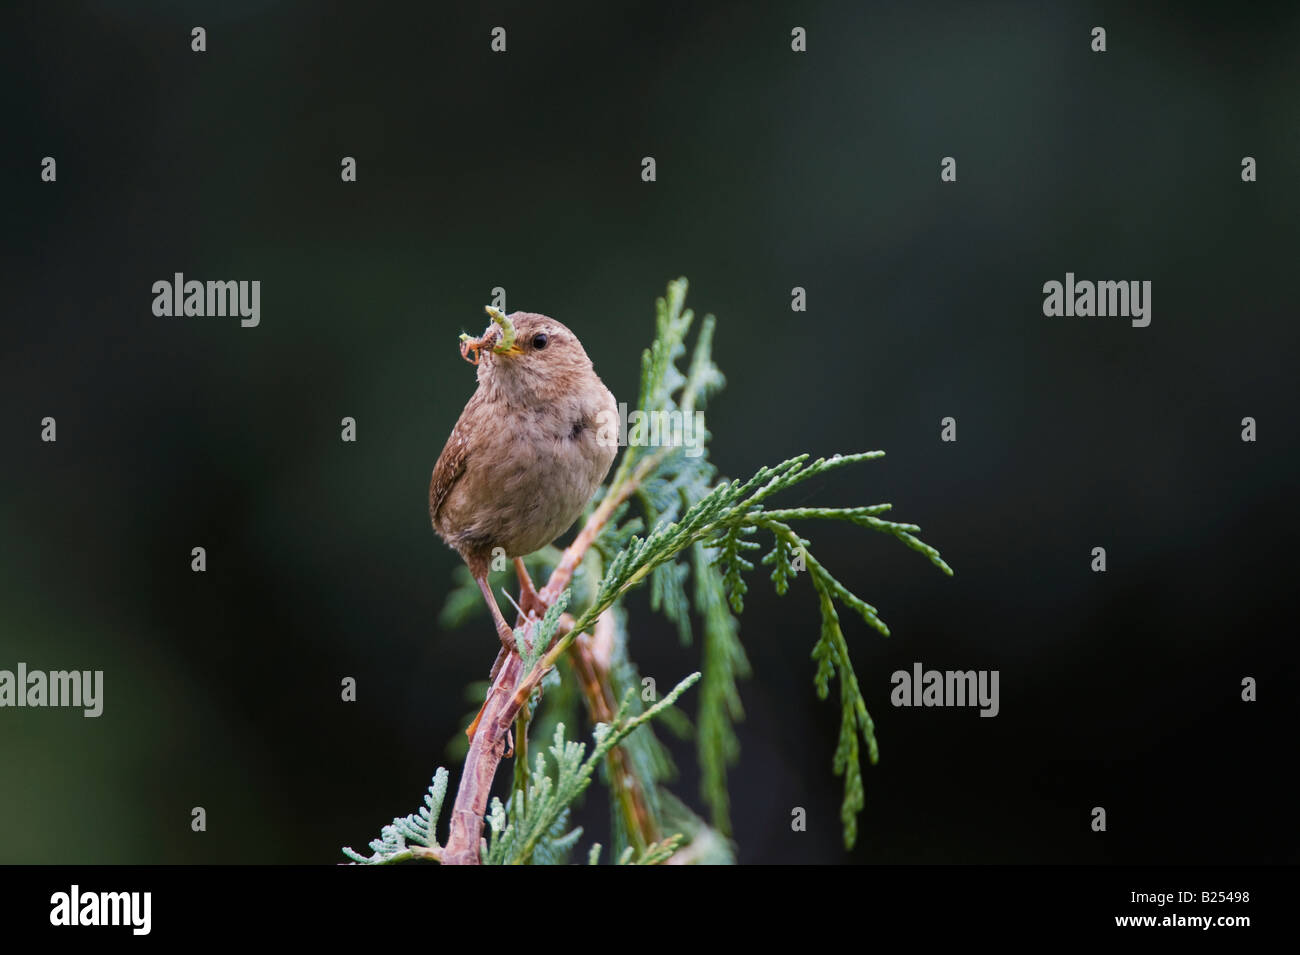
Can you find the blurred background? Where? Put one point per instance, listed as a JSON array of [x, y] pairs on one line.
[[775, 170]]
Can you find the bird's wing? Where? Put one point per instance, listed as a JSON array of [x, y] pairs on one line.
[[450, 466]]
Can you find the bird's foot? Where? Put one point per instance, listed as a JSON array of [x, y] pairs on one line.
[[507, 637], [530, 601]]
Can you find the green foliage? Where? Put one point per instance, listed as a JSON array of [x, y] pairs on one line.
[[647, 758], [724, 664], [667, 594], [701, 531], [561, 703], [702, 843], [539, 833], [723, 520], [395, 841], [542, 636], [656, 854], [518, 834], [683, 512]]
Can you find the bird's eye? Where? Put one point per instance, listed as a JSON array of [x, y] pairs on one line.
[[539, 340]]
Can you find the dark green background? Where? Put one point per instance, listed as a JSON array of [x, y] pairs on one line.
[[522, 170]]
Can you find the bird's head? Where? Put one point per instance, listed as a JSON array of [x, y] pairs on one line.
[[527, 356]]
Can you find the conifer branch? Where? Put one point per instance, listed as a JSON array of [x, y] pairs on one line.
[[394, 842], [699, 529]]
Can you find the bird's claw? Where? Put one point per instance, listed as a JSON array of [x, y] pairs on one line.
[[530, 601], [532, 604]]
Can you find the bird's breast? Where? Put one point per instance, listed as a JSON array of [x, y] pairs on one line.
[[531, 474]]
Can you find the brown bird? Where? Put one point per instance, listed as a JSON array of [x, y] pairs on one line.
[[534, 442]]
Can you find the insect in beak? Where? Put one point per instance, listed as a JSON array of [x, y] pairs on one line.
[[500, 336], [470, 348]]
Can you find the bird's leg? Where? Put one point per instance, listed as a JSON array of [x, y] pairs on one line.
[[504, 631], [507, 636], [529, 599]]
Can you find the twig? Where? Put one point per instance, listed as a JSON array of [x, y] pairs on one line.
[[508, 692], [591, 657]]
